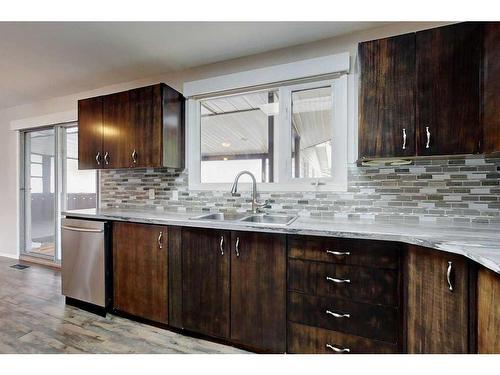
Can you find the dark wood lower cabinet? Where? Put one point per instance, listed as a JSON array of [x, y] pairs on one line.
[[234, 286], [437, 302], [205, 281], [258, 291], [488, 312], [140, 271], [304, 339], [361, 319]]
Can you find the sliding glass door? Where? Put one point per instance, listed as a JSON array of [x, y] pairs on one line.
[[51, 183], [39, 202]]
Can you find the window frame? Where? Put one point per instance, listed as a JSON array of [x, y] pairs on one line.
[[283, 180]]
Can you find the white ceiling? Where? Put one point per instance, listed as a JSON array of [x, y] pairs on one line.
[[50, 59]]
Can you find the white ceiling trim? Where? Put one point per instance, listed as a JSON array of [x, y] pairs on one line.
[[338, 63]]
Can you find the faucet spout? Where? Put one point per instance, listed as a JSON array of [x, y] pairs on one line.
[[234, 189]]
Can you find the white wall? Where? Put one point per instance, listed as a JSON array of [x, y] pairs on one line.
[[64, 108]]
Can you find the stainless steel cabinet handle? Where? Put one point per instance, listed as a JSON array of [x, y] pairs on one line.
[[134, 156], [98, 158], [221, 245], [237, 247], [106, 158], [428, 133], [78, 229], [337, 315], [338, 253], [160, 240], [448, 276], [338, 350], [338, 281], [404, 139]]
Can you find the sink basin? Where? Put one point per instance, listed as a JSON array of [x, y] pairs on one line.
[[221, 216], [246, 218], [270, 219]]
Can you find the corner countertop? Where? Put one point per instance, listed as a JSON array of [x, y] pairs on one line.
[[479, 242]]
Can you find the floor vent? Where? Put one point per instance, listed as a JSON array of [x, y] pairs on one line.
[[19, 266]]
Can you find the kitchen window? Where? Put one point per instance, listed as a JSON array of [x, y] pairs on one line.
[[291, 136]]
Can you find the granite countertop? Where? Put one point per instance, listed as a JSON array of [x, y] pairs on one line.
[[479, 242]]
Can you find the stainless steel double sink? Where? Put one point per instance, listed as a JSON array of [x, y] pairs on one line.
[[263, 219]]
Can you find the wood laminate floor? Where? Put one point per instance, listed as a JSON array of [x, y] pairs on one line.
[[35, 319]]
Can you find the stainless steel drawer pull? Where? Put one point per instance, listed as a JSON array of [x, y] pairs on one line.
[[404, 139], [337, 315], [237, 247], [78, 229], [339, 253], [98, 158], [160, 240], [221, 245], [134, 156], [428, 133], [338, 350], [448, 276], [106, 158], [338, 281]]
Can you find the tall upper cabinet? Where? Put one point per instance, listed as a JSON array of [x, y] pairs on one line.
[[387, 97], [138, 128], [448, 65], [491, 96], [434, 92]]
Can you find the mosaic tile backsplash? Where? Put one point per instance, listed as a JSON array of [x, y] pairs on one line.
[[455, 190]]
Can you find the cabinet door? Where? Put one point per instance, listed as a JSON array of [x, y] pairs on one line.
[[140, 270], [438, 318], [488, 312], [387, 97], [205, 281], [258, 295], [118, 132], [90, 133], [491, 79], [146, 122], [448, 90]]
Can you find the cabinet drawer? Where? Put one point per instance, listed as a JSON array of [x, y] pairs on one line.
[[361, 319], [370, 253], [303, 339], [362, 284]]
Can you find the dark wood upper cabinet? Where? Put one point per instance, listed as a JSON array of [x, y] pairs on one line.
[[146, 122], [491, 88], [387, 97], [140, 270], [118, 133], [258, 291], [448, 64], [437, 302], [142, 128], [205, 281], [90, 133]]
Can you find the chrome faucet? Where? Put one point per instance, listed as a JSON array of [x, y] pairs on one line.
[[255, 205]]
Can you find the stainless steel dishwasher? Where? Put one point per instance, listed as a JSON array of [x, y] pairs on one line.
[[85, 263]]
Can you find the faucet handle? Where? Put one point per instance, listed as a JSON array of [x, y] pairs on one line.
[[266, 204]]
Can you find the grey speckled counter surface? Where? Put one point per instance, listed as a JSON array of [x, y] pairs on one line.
[[479, 242]]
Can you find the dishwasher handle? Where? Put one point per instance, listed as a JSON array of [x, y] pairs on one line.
[[78, 229]]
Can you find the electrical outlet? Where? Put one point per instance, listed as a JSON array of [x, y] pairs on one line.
[[151, 193], [175, 195]]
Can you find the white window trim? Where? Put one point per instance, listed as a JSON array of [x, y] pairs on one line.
[[282, 143]]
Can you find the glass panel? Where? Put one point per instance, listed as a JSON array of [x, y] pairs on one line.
[[237, 134], [39, 193], [79, 187], [312, 133]]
